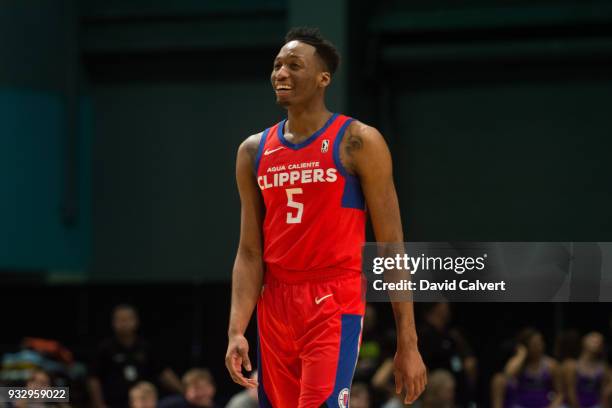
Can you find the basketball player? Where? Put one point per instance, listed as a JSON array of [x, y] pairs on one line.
[[304, 184]]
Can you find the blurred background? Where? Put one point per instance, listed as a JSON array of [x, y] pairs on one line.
[[120, 121]]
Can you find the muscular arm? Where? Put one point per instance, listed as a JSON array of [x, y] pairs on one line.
[[368, 156], [247, 276]]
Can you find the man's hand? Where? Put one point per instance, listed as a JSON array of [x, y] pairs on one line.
[[410, 373], [237, 357]]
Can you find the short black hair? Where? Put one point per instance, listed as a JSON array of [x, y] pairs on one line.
[[312, 36]]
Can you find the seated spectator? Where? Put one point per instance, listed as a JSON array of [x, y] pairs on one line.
[[586, 377], [124, 360], [246, 398], [143, 395], [444, 347], [199, 388], [360, 396], [440, 390], [39, 379], [530, 379]]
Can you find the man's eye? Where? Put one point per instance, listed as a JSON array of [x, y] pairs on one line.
[[294, 66]]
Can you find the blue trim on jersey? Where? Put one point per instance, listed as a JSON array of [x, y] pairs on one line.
[[349, 346], [311, 138], [352, 197], [262, 142], [264, 401]]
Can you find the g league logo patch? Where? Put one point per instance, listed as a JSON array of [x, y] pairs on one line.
[[343, 398], [325, 146]]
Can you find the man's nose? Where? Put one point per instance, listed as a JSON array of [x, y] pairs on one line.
[[282, 73]]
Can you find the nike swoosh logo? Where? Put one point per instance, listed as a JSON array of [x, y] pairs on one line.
[[319, 300], [268, 151]]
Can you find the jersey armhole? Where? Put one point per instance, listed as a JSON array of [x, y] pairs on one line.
[[352, 197], [262, 143], [337, 143]]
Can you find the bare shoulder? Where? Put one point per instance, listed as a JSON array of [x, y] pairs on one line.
[[249, 146], [360, 135], [362, 144]]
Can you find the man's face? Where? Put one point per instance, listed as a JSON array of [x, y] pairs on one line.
[[298, 74], [201, 393], [125, 321], [39, 380], [360, 399], [593, 342], [142, 399]]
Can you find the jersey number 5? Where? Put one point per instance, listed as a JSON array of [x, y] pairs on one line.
[[293, 204]]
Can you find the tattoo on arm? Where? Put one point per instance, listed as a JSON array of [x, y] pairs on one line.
[[353, 143]]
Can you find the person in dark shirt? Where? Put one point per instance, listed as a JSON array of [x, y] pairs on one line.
[[445, 348], [124, 360]]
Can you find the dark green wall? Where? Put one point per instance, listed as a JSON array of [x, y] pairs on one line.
[[171, 111], [45, 132], [498, 118], [164, 192], [506, 156]]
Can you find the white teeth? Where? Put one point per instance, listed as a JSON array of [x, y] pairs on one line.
[[281, 87]]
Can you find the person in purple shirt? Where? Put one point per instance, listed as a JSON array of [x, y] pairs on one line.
[[588, 377], [531, 379]]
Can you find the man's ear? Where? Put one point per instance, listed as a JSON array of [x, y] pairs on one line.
[[324, 79]]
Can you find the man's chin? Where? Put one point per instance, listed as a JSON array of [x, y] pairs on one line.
[[285, 103]]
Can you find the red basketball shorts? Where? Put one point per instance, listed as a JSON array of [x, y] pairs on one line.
[[309, 336]]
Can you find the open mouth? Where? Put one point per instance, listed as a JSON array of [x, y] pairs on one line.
[[283, 88]]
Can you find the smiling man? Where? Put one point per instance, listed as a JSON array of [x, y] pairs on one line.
[[304, 184]]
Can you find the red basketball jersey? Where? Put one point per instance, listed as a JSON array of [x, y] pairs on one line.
[[314, 225]]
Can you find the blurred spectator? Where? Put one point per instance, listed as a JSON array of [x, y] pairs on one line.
[[445, 348], [586, 378], [530, 379], [39, 379], [143, 395], [199, 388], [246, 398], [440, 390], [360, 396], [124, 360]]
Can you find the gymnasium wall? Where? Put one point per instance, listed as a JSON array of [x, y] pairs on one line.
[[45, 140], [496, 114]]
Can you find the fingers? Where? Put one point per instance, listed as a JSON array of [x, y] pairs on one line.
[[234, 363], [398, 382], [410, 390], [244, 354], [414, 385]]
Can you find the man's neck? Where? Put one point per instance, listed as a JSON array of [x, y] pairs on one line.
[[304, 122], [126, 340]]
